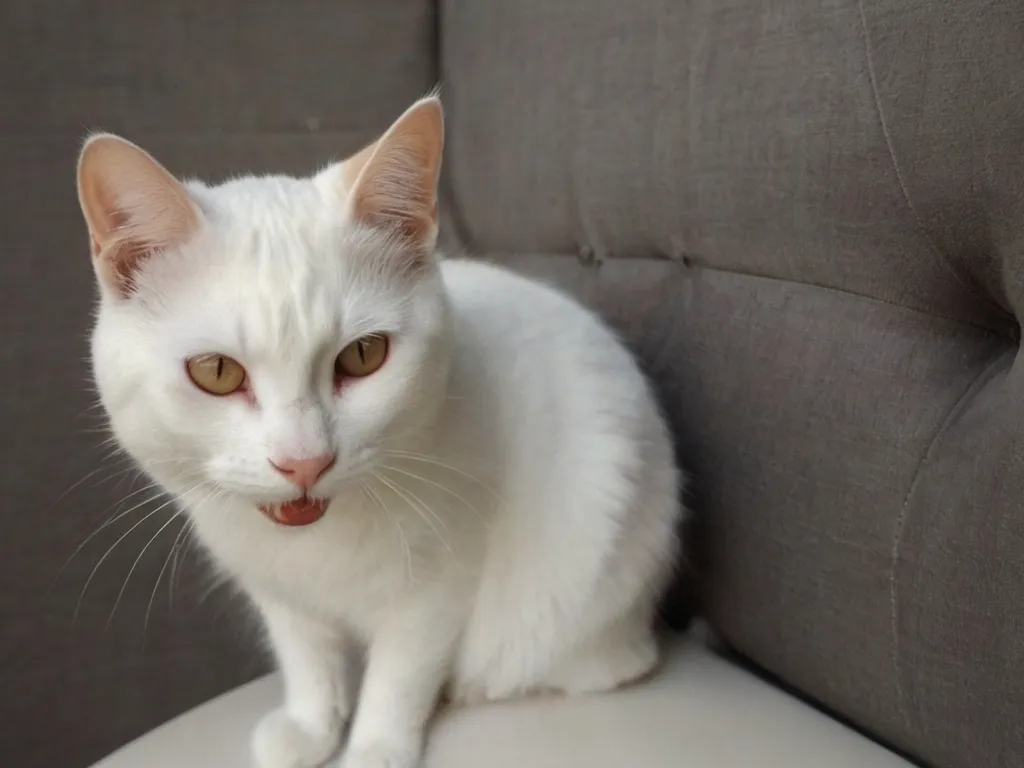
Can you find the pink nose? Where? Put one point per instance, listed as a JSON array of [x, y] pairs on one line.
[[304, 472]]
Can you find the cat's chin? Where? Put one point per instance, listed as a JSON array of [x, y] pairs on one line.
[[297, 512]]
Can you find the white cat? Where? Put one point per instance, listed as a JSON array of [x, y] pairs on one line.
[[453, 469]]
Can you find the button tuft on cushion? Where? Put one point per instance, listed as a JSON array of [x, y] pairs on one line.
[[585, 254]]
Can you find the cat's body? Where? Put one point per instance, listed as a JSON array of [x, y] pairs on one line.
[[500, 495], [471, 508]]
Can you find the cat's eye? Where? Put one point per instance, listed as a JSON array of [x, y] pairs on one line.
[[362, 357], [216, 374]]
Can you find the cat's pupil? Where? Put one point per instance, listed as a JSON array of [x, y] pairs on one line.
[[220, 367], [361, 347]]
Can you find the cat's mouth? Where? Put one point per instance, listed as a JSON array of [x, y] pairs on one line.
[[301, 511]]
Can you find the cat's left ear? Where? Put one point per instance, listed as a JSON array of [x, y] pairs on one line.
[[133, 207], [392, 184]]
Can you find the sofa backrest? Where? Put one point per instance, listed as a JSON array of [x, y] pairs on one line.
[[808, 217]]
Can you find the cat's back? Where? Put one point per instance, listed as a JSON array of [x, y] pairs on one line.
[[505, 310], [584, 534], [548, 364], [495, 295]]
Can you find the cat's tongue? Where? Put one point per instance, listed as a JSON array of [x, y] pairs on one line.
[[298, 512]]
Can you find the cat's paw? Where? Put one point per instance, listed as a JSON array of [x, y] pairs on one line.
[[279, 741], [382, 754]]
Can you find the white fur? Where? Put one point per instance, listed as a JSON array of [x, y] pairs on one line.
[[505, 498]]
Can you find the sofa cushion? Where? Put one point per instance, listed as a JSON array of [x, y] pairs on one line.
[[699, 712]]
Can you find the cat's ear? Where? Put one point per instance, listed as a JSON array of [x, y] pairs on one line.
[[393, 182], [133, 207]]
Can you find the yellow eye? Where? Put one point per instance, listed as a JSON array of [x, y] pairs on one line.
[[362, 357], [216, 374]]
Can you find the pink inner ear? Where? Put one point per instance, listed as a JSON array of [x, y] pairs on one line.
[[133, 206], [397, 186], [121, 262]]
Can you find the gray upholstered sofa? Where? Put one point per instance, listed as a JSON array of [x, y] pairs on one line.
[[806, 215]]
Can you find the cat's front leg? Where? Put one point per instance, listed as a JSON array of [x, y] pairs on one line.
[[409, 660], [307, 729]]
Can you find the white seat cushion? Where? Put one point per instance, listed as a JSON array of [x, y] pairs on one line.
[[700, 711]]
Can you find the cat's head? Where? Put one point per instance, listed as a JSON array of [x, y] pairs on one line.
[[268, 339]]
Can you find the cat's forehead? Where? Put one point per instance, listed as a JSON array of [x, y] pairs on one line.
[[278, 315], [279, 270], [271, 212]]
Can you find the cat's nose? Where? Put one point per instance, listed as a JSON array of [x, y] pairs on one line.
[[304, 472]]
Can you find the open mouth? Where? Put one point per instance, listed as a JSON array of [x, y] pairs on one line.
[[303, 511]]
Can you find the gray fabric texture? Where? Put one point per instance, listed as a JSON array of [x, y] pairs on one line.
[[807, 217], [211, 89]]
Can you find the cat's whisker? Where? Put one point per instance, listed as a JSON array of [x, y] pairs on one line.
[[171, 552], [96, 568], [92, 574], [135, 565], [150, 486], [111, 443], [420, 508], [179, 550], [219, 577], [110, 521], [422, 504], [406, 550], [172, 562], [97, 406], [425, 459], [187, 542], [85, 479], [131, 475], [470, 507], [119, 515]]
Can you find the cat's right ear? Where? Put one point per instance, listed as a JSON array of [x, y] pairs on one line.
[[391, 185], [133, 206]]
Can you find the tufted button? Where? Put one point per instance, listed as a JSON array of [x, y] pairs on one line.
[[678, 252], [585, 255]]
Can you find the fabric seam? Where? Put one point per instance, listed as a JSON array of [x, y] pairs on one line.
[[1002, 332], [966, 397], [970, 285]]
